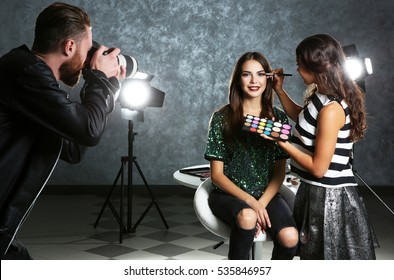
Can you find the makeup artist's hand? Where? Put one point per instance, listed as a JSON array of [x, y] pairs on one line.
[[265, 136], [277, 81], [268, 138]]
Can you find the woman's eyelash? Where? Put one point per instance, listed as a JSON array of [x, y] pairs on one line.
[[248, 74]]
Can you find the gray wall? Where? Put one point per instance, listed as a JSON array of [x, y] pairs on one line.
[[191, 47]]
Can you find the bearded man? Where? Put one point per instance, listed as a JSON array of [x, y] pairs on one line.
[[38, 122]]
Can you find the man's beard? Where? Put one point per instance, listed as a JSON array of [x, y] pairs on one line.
[[70, 71]]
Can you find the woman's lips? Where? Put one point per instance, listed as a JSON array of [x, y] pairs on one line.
[[254, 88]]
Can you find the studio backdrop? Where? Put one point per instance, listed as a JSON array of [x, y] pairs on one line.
[[191, 47]]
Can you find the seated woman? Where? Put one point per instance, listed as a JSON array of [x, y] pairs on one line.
[[247, 171]]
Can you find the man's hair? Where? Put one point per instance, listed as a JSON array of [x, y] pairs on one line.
[[57, 23]]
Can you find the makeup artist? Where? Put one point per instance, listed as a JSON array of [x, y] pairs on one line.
[[38, 122], [329, 212], [246, 170]]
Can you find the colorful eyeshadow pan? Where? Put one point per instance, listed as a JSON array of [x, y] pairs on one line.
[[277, 130]]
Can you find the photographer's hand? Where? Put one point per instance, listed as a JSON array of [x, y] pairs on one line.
[[106, 60], [122, 73]]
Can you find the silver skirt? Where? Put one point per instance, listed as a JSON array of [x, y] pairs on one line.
[[333, 224]]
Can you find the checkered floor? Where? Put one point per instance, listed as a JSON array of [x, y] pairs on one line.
[[60, 227]]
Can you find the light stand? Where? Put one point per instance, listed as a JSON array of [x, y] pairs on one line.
[[130, 159], [132, 109]]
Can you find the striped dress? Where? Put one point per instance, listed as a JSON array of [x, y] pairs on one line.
[[329, 212]]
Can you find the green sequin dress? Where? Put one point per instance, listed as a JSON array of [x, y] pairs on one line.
[[249, 165]]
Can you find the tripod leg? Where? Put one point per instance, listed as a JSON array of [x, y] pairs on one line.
[[121, 206], [111, 206], [152, 197], [142, 217], [107, 201], [365, 184]]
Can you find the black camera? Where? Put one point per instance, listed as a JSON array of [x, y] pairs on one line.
[[129, 62]]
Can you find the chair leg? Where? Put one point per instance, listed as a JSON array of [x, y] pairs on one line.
[[219, 244]]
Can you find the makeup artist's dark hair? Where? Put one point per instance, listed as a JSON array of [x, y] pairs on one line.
[[234, 121], [323, 55], [57, 23]]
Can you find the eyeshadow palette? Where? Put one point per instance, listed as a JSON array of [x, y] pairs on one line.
[[277, 130]]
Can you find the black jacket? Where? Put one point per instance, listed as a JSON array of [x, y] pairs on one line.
[[39, 124]]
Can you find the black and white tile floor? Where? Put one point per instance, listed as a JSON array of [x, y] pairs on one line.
[[60, 227]]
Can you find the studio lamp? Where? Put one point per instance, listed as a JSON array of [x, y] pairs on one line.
[[358, 68], [135, 95]]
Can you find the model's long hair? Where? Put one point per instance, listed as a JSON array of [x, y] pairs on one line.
[[323, 55], [57, 23], [235, 119]]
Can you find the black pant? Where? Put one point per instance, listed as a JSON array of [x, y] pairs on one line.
[[227, 208]]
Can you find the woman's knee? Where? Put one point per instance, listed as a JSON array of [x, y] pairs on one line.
[[288, 237], [247, 218]]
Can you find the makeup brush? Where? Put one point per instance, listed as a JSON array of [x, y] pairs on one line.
[[279, 74]]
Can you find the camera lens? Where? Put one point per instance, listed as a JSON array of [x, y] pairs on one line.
[[130, 63]]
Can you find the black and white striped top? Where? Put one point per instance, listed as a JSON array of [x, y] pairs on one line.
[[339, 172]]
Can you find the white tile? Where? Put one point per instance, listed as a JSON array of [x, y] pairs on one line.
[[193, 242], [140, 255], [188, 229], [199, 255], [140, 243]]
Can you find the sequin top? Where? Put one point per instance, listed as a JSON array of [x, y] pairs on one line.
[[248, 165]]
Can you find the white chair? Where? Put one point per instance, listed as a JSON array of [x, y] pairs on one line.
[[220, 228]]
